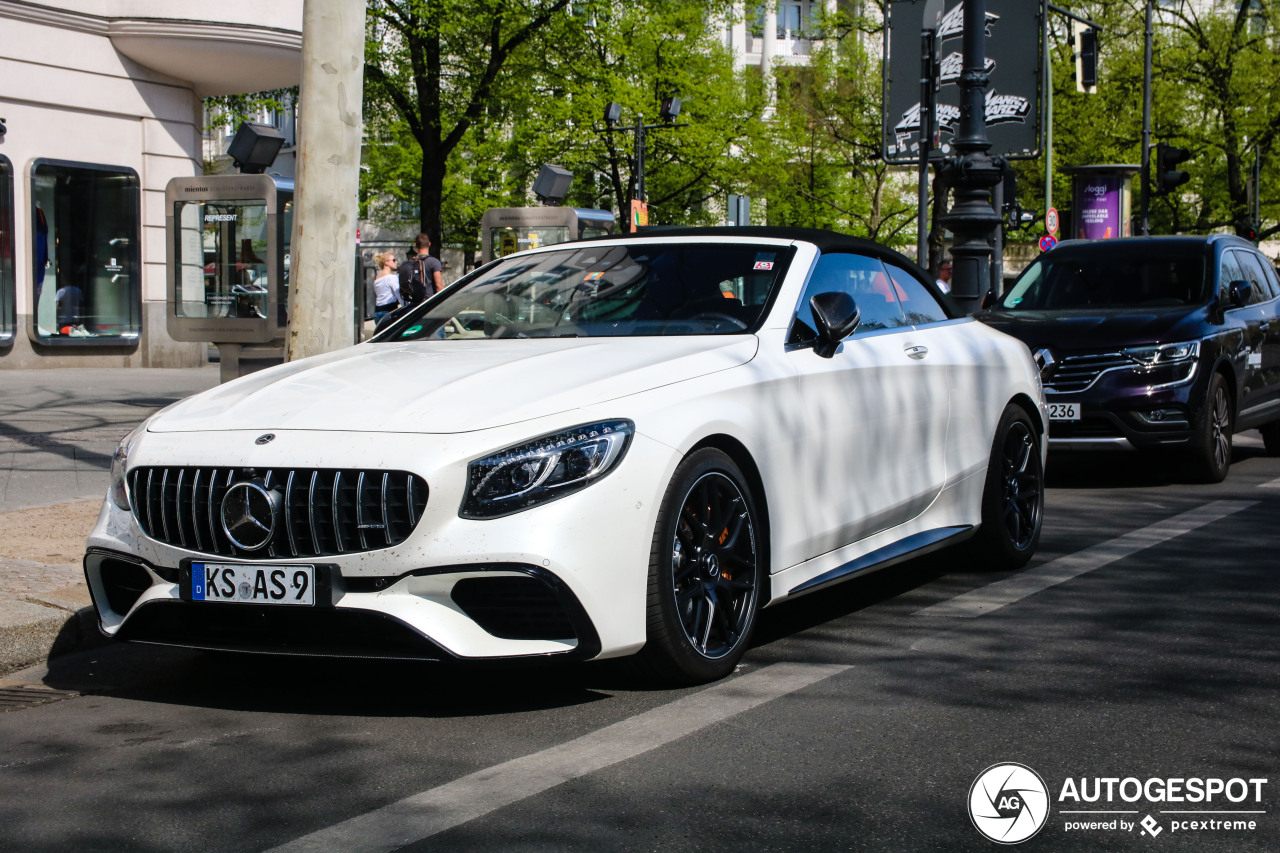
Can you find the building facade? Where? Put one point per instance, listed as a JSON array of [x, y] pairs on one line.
[[102, 106]]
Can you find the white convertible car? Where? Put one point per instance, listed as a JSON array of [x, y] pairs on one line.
[[653, 438]]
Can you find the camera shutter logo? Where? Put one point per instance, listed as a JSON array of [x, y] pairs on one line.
[[1008, 803]]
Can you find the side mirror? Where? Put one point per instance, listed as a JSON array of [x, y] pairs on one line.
[[1239, 292], [836, 316]]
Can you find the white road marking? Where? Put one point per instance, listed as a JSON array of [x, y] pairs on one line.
[[1001, 593], [438, 809], [1274, 484]]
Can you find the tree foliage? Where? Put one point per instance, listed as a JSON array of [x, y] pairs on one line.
[[822, 168], [441, 73], [1214, 70]]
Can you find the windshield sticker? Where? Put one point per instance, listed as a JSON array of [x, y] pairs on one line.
[[763, 265], [412, 330], [593, 276]]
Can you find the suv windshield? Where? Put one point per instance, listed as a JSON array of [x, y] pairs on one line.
[[608, 291], [1119, 274]]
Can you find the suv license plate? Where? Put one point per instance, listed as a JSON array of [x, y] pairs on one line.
[[237, 583], [1064, 411]]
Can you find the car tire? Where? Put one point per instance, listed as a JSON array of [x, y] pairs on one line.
[[1013, 496], [705, 570], [1209, 457], [1271, 438]]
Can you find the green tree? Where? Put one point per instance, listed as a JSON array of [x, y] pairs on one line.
[[1213, 92], [438, 72], [636, 54], [823, 167]]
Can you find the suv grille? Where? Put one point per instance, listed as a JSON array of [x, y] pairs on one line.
[[1078, 372], [321, 511]]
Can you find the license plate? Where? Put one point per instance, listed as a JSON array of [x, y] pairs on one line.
[[237, 583], [1064, 411]]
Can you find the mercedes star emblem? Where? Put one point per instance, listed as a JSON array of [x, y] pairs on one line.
[[249, 515]]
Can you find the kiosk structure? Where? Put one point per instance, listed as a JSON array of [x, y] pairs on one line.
[[228, 266], [504, 230]]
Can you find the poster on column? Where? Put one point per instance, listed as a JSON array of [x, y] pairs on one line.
[[1098, 207], [1013, 62]]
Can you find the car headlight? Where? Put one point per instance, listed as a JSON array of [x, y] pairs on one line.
[[119, 462], [1164, 353], [544, 469]]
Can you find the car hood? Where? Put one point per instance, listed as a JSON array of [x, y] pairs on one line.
[[1097, 330], [451, 386]]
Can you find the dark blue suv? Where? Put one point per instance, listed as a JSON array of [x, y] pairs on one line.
[[1153, 343]]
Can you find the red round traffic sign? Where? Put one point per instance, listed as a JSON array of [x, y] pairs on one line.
[[1047, 242], [1051, 220]]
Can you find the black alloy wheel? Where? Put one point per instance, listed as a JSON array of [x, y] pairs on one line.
[[705, 570], [1013, 498], [1210, 452], [1022, 486]]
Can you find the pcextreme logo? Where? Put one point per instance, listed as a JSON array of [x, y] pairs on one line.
[[1009, 803]]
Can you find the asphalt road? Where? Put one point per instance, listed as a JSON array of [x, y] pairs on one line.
[[1142, 643]]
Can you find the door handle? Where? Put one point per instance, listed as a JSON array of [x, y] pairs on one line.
[[916, 352]]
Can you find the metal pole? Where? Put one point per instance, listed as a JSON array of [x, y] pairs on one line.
[[996, 285], [973, 171], [1257, 187], [1048, 123], [927, 81], [1145, 203], [640, 157], [328, 177]]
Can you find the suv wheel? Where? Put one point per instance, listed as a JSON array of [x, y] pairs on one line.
[[1209, 456]]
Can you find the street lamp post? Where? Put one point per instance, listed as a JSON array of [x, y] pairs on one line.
[[668, 112], [973, 172], [1144, 220]]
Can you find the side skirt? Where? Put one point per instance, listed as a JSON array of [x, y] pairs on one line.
[[916, 545]]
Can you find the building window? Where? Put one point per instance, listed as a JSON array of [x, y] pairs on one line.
[[86, 225], [8, 292]]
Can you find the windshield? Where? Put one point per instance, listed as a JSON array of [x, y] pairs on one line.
[[1116, 275], [608, 291]]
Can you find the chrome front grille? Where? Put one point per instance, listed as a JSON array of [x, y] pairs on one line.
[[321, 512], [1078, 372]]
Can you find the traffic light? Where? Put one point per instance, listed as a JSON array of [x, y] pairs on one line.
[[1086, 50], [1168, 176]]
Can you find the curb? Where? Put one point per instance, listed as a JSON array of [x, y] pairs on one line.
[[32, 633]]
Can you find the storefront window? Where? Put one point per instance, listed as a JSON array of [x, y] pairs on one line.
[[7, 290], [85, 224]]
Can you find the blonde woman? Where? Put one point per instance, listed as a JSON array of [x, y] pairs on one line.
[[386, 287]]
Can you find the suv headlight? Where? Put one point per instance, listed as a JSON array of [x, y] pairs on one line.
[[1155, 356], [544, 469], [119, 463]]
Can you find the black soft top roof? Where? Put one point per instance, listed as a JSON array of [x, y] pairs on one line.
[[826, 241]]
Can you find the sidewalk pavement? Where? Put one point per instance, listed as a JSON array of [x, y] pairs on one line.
[[58, 429]]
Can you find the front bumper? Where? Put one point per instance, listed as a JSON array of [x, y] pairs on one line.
[[1124, 410], [568, 578], [521, 604]]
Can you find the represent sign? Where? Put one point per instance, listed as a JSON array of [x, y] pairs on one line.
[[1051, 220], [1013, 50], [1047, 242]]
